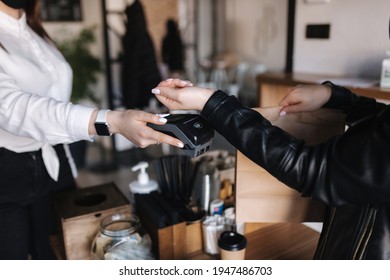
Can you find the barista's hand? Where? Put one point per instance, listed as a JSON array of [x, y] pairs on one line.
[[132, 125], [182, 98], [305, 98]]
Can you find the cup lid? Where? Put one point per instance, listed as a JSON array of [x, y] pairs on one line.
[[231, 241]]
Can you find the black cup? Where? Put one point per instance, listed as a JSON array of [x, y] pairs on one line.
[[232, 245]]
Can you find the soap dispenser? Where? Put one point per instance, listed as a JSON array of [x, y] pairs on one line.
[[143, 185]]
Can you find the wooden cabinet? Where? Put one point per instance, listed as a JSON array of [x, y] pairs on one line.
[[272, 87]]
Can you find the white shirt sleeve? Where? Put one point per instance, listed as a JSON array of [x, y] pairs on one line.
[[35, 88], [41, 118]]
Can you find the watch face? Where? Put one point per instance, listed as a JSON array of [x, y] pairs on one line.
[[102, 129]]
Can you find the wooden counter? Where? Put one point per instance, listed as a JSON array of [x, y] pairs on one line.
[[281, 241], [272, 87], [285, 241]]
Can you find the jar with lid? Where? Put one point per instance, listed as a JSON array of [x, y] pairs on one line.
[[121, 237]]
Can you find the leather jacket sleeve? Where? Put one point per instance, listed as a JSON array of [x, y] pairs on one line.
[[351, 168], [356, 107]]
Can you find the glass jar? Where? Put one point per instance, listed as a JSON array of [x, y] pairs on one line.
[[121, 237]]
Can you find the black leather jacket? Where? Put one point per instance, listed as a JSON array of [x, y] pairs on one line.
[[350, 173]]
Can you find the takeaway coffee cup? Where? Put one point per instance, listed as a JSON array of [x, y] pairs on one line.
[[232, 245]]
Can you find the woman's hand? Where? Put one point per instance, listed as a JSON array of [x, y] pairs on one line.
[[305, 98], [181, 95], [132, 125], [175, 83]]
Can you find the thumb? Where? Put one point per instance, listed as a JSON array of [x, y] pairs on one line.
[[289, 105], [291, 108], [164, 91], [168, 97]]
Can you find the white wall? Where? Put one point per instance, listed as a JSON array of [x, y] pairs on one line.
[[359, 36], [205, 30], [257, 31]]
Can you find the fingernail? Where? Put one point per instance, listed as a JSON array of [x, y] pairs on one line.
[[190, 84], [162, 120], [180, 145], [283, 113], [169, 80], [163, 115], [155, 91], [184, 83]]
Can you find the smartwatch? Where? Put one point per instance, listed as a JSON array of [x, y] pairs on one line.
[[101, 124]]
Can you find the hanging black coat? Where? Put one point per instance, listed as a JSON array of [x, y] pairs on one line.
[[140, 71], [172, 48]]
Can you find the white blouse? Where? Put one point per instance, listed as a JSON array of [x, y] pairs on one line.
[[35, 87]]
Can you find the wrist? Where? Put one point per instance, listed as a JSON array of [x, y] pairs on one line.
[[329, 86], [205, 96], [113, 118]]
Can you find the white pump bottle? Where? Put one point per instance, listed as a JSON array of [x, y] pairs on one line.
[[144, 184]]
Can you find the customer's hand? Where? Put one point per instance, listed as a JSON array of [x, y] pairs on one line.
[[132, 125], [175, 95], [175, 83], [305, 98]]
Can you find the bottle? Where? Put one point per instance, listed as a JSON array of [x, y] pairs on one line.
[[385, 77], [144, 184], [207, 184]]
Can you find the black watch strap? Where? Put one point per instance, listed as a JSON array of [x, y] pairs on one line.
[[101, 124]]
